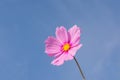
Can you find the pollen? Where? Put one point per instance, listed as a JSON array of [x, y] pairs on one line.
[[66, 47]]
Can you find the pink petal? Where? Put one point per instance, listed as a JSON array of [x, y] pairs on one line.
[[74, 33], [62, 34], [52, 40], [55, 54], [76, 42], [68, 57], [58, 54], [59, 60], [52, 46], [52, 49], [73, 50]]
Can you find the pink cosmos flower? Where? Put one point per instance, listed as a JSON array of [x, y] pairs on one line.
[[64, 46]]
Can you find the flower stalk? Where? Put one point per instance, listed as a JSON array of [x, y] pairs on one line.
[[78, 65]]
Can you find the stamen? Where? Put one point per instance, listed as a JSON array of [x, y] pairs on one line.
[[66, 47]]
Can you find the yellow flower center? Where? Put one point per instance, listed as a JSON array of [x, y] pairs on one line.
[[66, 47]]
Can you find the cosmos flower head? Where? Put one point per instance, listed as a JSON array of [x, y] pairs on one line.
[[64, 46]]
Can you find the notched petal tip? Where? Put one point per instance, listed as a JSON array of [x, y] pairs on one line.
[[81, 45], [75, 25], [57, 62], [48, 38]]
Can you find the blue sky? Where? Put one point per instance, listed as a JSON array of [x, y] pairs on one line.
[[25, 24]]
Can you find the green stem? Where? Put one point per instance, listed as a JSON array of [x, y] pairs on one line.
[[83, 77]]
